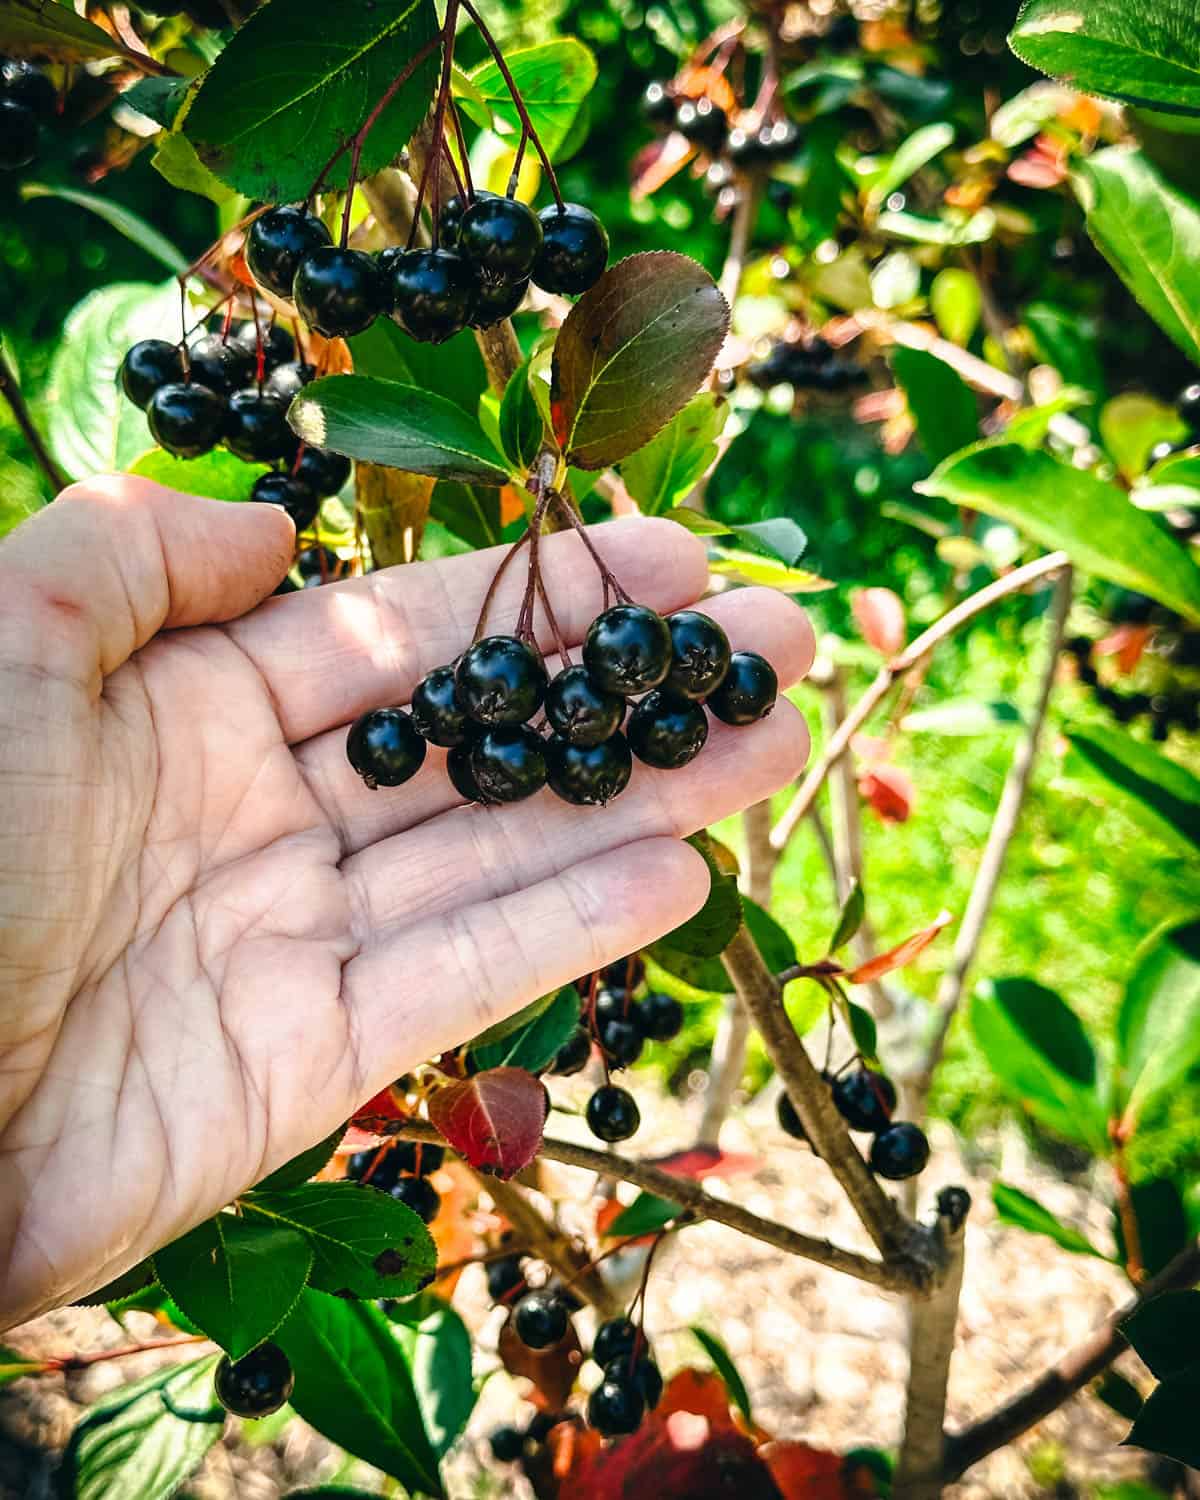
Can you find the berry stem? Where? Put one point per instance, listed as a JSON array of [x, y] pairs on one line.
[[608, 578], [463, 153], [481, 623], [439, 138], [82, 1361], [514, 177]]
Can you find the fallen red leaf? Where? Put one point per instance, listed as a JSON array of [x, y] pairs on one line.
[[879, 614], [679, 1456], [494, 1120], [697, 1162], [904, 953]]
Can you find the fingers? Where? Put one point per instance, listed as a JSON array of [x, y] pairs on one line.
[[753, 618], [115, 559], [329, 654], [472, 854], [455, 974]]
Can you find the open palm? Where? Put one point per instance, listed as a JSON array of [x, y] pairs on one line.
[[215, 942]]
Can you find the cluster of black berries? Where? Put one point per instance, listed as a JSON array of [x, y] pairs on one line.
[[257, 1384], [401, 1169], [28, 100], [234, 387], [488, 250], [480, 706], [314, 566], [865, 1099], [1164, 710], [811, 364]]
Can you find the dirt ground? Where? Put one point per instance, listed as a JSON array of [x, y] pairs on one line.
[[823, 1356]]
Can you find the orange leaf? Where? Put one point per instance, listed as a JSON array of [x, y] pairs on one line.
[[511, 507], [896, 958], [890, 791], [879, 614], [804, 1473], [379, 1110], [701, 1392], [658, 163], [706, 83], [1127, 643]]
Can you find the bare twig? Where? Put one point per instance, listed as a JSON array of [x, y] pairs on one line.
[[941, 630], [11, 392]]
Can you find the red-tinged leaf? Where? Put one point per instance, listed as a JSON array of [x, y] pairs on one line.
[[896, 958], [677, 1456], [1128, 644], [697, 1162], [494, 1120], [879, 614], [552, 1372], [379, 1110], [890, 792], [658, 162], [695, 82], [701, 1392], [804, 1473]]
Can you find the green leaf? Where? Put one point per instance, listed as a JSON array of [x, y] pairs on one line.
[[237, 1279], [437, 1348], [304, 1166], [521, 428], [779, 538], [647, 1214], [911, 155], [45, 29], [1158, 1025], [554, 78], [957, 304], [1030, 426], [726, 1369], [159, 99], [942, 404], [534, 1045], [849, 918], [120, 218], [399, 425], [176, 161], [131, 1445], [632, 351], [268, 131], [662, 473], [1164, 793], [1167, 1423], [14, 1366], [1025, 115], [1130, 426], [454, 369], [748, 568], [354, 1385], [1162, 1222], [364, 1242], [1143, 53], [711, 930], [1018, 1208], [895, 280], [962, 716], [1165, 1331], [1063, 340], [1123, 1397], [471, 512], [220, 475], [709, 975], [959, 230], [1089, 518], [1041, 1054], [863, 1030], [1149, 232]]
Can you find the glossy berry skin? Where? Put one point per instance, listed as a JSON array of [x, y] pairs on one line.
[[495, 301], [435, 709], [700, 654], [744, 148], [278, 346], [500, 680], [613, 1004], [628, 649], [220, 364], [615, 1407], [276, 244], [338, 292], [642, 1373], [621, 1041], [501, 237], [899, 1152], [317, 565], [612, 1114], [378, 1169], [431, 293], [789, 1121], [588, 775], [748, 691], [384, 747], [507, 1444], [540, 1320], [865, 1099], [418, 1157], [626, 973], [703, 123], [504, 1277], [1187, 404], [572, 1057], [419, 1194], [256, 427], [256, 1385], [296, 498], [661, 1017], [579, 711], [325, 473], [29, 86], [462, 774], [574, 249], [615, 1339], [666, 732], [286, 381], [149, 364], [186, 420], [657, 104], [18, 135], [509, 763]]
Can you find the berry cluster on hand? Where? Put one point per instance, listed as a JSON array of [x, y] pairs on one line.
[[810, 364], [402, 1170], [28, 100], [487, 249], [479, 708], [865, 1099]]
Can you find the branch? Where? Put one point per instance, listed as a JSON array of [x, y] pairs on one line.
[[839, 741], [11, 392], [1064, 1379]]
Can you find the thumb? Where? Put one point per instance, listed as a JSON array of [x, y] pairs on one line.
[[116, 559]]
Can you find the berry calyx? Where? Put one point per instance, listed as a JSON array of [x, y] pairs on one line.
[[615, 1407], [508, 763], [748, 692], [338, 292], [500, 680], [296, 498], [495, 301], [384, 747], [665, 731], [612, 1114], [149, 365], [286, 381], [432, 293], [507, 1444], [899, 1152], [572, 1057], [220, 364], [419, 1194], [325, 473], [18, 135], [257, 1384], [700, 655], [256, 427], [186, 420], [540, 1320], [703, 123], [588, 775], [865, 1099], [461, 773], [627, 650], [621, 1041], [661, 1017], [276, 244], [501, 236], [574, 249], [615, 1339], [579, 711], [435, 709]]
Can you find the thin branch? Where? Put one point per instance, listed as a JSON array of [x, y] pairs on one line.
[[741, 232], [11, 392], [1063, 1379], [941, 630]]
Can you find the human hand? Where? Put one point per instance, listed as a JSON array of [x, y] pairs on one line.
[[215, 941]]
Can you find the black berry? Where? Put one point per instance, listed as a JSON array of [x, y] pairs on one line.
[[420, 1157], [700, 655], [324, 472], [744, 148], [461, 773], [431, 293], [748, 691], [507, 1444], [900, 1151], [277, 344], [376, 1167], [703, 123], [317, 565], [572, 1056], [612, 1004], [541, 1319], [451, 217], [615, 1339], [778, 141], [18, 135], [435, 709], [588, 775], [657, 104], [501, 236], [504, 1276], [865, 1099], [28, 86], [500, 680], [256, 427], [643, 1374], [186, 420], [661, 1017], [419, 1194], [220, 364], [384, 748], [665, 731], [276, 244], [1187, 404], [628, 649], [789, 1121], [574, 249], [621, 1041], [509, 763], [625, 974], [612, 1113], [338, 292], [256, 1385], [495, 301], [286, 381], [615, 1407], [147, 366], [296, 498], [581, 712]]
